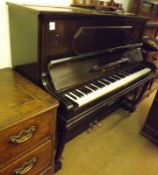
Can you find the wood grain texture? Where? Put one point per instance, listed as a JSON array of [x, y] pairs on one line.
[[20, 99], [47, 171], [42, 153], [43, 132]]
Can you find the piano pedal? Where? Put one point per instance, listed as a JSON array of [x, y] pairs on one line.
[[97, 124], [93, 126]]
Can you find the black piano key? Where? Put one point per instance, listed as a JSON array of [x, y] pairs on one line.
[[98, 84], [88, 87], [114, 78], [93, 87], [110, 79], [120, 74], [77, 93], [73, 102], [90, 90], [126, 73], [102, 82], [84, 90], [80, 92], [117, 77], [106, 81], [72, 96]]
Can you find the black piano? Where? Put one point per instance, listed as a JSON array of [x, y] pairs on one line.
[[90, 60]]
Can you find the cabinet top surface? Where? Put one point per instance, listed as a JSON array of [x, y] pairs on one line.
[[68, 10], [20, 99]]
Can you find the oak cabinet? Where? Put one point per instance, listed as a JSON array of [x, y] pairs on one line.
[[27, 126]]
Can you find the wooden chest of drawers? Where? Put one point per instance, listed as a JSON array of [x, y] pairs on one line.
[[27, 126]]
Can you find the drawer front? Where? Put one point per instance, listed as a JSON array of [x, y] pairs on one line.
[[23, 137], [32, 163], [47, 171]]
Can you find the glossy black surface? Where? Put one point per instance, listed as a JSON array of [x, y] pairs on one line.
[[89, 35]]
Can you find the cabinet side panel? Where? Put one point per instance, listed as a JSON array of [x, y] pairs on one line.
[[24, 35]]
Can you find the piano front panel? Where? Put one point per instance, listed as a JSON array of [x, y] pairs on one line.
[[63, 39]]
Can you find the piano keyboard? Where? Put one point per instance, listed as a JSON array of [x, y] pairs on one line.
[[105, 85]]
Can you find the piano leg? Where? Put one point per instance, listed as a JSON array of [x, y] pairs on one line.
[[151, 83], [129, 104], [57, 166], [145, 87]]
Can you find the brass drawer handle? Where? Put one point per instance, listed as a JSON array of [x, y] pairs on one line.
[[23, 136], [26, 167]]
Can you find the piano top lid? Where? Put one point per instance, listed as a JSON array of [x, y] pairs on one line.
[[68, 10]]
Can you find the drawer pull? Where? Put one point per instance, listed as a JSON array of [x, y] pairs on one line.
[[26, 167], [23, 136]]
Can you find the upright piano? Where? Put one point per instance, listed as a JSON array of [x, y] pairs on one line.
[[90, 60]]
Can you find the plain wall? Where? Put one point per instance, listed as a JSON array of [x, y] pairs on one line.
[[5, 58]]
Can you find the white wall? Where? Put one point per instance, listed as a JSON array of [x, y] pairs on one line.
[[5, 54], [5, 58]]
